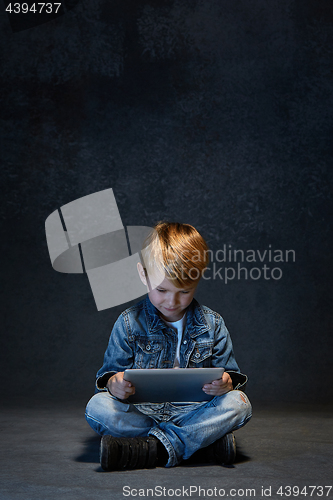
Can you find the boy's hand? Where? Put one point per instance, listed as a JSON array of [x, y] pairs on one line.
[[220, 386], [119, 387]]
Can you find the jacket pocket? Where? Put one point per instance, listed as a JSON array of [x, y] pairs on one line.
[[201, 355], [147, 353]]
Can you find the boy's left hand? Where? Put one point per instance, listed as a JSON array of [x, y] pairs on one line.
[[220, 386]]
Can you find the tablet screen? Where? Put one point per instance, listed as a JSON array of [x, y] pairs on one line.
[[159, 385]]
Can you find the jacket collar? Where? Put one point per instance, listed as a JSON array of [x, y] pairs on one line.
[[195, 319]]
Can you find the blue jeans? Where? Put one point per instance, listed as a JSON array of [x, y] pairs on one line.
[[183, 428]]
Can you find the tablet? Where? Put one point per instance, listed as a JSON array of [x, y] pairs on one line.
[[159, 385]]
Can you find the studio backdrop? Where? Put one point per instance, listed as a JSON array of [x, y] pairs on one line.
[[213, 113]]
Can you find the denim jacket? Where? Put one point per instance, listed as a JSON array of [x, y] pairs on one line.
[[141, 339]]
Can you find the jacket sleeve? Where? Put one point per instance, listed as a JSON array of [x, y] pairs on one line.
[[223, 355], [118, 355]]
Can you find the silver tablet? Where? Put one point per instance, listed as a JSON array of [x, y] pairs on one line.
[[158, 385]]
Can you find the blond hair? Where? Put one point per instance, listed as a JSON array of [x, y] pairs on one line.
[[176, 250]]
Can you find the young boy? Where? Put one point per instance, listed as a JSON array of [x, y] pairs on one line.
[[168, 329]]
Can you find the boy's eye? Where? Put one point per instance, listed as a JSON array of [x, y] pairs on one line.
[[185, 291], [160, 290]]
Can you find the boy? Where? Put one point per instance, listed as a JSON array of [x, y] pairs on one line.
[[168, 329]]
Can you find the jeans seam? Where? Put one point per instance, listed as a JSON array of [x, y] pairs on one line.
[[166, 443], [245, 421], [97, 421]]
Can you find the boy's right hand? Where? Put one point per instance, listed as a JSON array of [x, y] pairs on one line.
[[119, 387]]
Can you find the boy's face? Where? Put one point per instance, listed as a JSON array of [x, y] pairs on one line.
[[169, 300]]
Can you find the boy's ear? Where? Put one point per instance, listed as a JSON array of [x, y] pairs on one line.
[[142, 273]]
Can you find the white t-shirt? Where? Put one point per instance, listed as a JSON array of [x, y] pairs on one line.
[[179, 327]]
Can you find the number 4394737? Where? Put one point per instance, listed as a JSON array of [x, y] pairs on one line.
[[36, 8]]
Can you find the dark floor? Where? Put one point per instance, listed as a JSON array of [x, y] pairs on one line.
[[52, 454]]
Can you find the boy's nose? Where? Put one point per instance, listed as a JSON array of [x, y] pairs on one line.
[[172, 302]]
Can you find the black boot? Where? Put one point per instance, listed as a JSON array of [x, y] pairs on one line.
[[131, 453], [224, 449]]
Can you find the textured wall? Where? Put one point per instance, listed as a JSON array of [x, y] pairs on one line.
[[211, 112]]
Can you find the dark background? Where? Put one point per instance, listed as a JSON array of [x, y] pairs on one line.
[[212, 112]]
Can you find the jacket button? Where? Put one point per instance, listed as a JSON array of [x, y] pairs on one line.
[[185, 342], [197, 355], [148, 347]]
